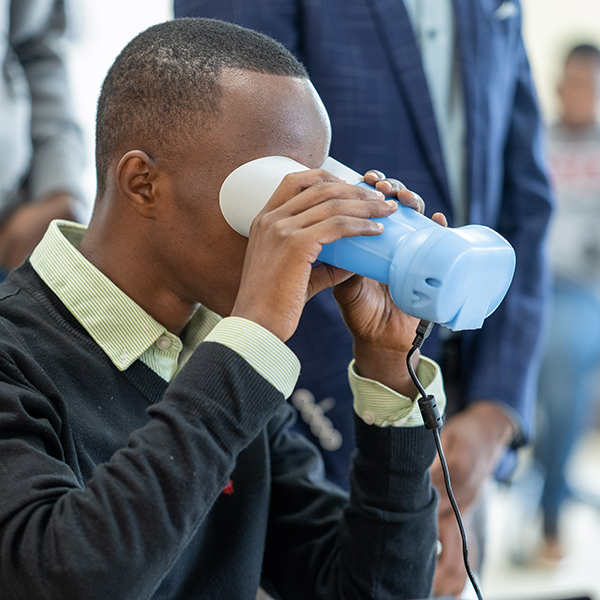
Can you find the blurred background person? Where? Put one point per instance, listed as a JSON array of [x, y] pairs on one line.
[[567, 387], [41, 151], [438, 94]]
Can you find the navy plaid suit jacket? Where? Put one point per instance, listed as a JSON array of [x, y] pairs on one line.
[[363, 58]]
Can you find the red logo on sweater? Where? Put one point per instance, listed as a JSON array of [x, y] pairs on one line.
[[228, 489]]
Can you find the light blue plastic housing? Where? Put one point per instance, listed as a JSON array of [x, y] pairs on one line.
[[452, 276]]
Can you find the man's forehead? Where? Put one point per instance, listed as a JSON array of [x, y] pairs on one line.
[[586, 63], [269, 89], [283, 113]]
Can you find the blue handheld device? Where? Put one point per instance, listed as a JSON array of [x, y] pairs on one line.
[[452, 276]]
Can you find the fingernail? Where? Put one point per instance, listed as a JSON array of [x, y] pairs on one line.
[[391, 202]]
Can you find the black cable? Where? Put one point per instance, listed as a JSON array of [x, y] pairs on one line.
[[433, 420], [463, 533]]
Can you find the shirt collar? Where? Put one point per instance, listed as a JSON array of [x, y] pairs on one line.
[[117, 324]]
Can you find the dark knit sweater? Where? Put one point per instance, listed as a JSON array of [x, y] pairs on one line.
[[118, 486]]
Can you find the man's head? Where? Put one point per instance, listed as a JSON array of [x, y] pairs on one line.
[[579, 90], [185, 103], [165, 82]]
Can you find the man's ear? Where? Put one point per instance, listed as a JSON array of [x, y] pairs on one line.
[[136, 180]]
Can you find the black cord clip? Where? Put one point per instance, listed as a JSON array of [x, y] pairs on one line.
[[430, 412]]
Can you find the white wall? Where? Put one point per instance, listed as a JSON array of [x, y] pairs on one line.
[[99, 31]]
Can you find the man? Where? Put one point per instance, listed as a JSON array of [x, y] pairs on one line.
[[573, 352], [439, 94], [40, 143], [121, 479]]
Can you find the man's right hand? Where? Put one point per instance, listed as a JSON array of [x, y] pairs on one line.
[[308, 209]]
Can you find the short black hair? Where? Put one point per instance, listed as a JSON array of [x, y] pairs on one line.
[[169, 74], [589, 51]]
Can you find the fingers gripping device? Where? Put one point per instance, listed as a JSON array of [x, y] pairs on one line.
[[452, 276]]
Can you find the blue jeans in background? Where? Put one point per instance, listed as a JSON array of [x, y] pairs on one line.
[[566, 389]]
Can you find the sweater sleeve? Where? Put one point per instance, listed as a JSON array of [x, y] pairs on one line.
[[118, 535], [378, 543]]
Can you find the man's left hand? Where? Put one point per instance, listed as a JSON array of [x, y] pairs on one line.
[[382, 334]]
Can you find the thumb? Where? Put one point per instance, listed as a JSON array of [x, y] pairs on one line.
[[324, 276]]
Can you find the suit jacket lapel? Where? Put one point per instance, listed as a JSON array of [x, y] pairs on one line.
[[407, 68]]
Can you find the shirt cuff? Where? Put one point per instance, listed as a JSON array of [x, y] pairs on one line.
[[264, 351], [377, 404]]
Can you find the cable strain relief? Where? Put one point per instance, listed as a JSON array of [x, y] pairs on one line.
[[423, 330], [430, 412]]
